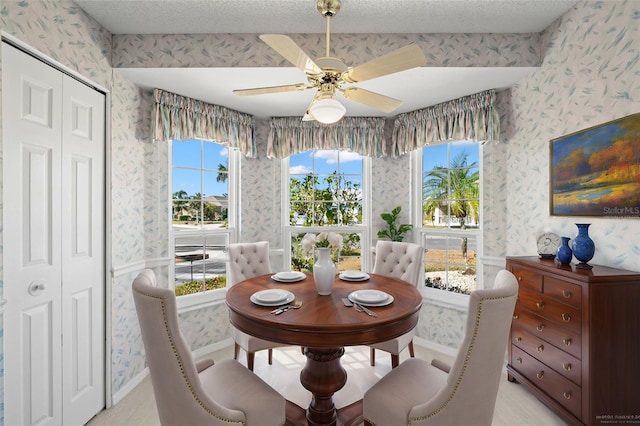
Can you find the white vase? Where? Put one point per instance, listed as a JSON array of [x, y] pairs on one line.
[[324, 271]]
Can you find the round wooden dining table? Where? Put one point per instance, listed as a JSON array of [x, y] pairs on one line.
[[323, 326]]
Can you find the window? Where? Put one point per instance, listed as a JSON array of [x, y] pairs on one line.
[[450, 215], [201, 213], [325, 192]]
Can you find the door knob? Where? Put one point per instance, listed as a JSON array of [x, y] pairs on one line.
[[36, 287]]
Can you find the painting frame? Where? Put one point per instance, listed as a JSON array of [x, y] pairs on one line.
[[595, 172]]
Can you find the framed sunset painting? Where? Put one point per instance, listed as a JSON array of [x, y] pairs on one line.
[[596, 171]]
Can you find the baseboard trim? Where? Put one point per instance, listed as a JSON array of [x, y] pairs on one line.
[[129, 386]]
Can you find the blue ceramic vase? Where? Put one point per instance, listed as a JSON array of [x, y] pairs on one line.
[[583, 246], [565, 254]]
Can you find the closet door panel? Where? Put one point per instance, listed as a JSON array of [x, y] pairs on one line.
[[82, 251], [32, 239]]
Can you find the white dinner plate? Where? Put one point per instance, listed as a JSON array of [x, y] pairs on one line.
[[354, 276], [289, 276], [371, 297], [272, 297]]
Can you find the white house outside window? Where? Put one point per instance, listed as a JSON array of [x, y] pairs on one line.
[[325, 192], [450, 211], [202, 214]]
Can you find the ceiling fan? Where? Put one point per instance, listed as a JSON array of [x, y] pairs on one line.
[[328, 74]]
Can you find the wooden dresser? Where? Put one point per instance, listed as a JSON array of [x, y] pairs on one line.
[[575, 340]]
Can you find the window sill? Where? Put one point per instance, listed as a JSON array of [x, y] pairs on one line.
[[446, 298], [192, 302]]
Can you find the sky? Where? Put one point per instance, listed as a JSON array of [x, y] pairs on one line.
[[436, 155], [325, 163], [192, 154]]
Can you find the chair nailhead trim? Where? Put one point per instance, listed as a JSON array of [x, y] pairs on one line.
[[464, 365], [181, 365]]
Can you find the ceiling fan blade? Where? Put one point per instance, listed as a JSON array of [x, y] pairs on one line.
[[372, 99], [405, 58], [288, 48], [272, 89]]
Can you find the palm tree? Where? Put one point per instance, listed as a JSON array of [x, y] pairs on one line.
[[456, 189], [223, 172], [180, 200], [195, 203]]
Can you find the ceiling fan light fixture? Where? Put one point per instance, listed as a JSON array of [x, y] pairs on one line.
[[327, 111]]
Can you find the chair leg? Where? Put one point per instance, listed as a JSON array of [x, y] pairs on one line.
[[395, 360], [411, 352], [270, 356], [236, 350], [372, 357], [250, 357]]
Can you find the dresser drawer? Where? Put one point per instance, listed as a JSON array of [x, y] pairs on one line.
[[563, 291], [548, 331], [551, 309], [565, 364], [528, 278], [565, 392]]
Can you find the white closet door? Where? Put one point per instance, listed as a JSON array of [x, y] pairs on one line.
[[82, 252], [48, 228]]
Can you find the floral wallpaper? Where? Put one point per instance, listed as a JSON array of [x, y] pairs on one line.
[[588, 74], [247, 50], [260, 194]]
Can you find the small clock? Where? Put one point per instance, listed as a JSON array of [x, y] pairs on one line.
[[548, 244]]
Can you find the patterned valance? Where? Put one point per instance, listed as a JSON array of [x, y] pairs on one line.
[[291, 135], [179, 118], [473, 117]]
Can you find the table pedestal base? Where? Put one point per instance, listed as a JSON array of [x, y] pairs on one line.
[[323, 376], [351, 415]]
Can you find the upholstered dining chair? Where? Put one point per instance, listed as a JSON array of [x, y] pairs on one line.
[[189, 393], [247, 260], [419, 393], [403, 261]]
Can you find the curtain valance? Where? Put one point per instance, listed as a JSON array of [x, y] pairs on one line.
[[290, 135], [179, 117], [473, 117]]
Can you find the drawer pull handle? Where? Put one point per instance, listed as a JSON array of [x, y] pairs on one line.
[[519, 277], [540, 375], [567, 394], [566, 294], [540, 348], [540, 327], [567, 366], [519, 360], [540, 304], [518, 339], [567, 342], [516, 316], [566, 317]]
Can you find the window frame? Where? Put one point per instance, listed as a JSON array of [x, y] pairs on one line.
[[443, 296], [195, 301], [364, 229]]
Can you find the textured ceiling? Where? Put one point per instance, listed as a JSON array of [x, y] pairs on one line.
[[301, 16], [429, 86]]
